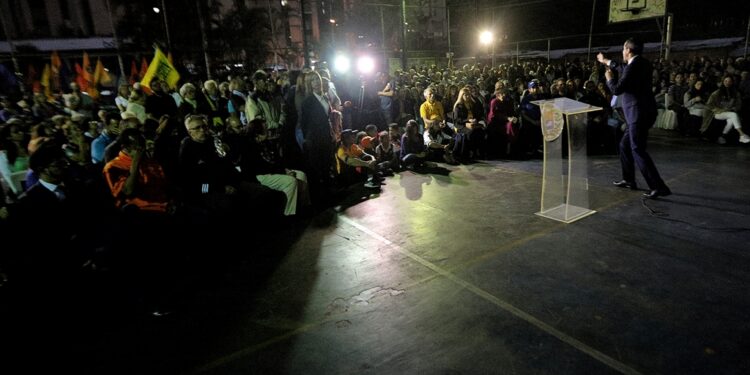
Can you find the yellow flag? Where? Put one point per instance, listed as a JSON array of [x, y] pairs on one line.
[[98, 70], [161, 68], [101, 76], [45, 81]]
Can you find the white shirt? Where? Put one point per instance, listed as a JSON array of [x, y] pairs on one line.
[[52, 188], [5, 172]]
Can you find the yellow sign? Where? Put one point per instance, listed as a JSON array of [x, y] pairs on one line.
[[160, 68]]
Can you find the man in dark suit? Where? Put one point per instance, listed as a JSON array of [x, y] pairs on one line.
[[633, 85]]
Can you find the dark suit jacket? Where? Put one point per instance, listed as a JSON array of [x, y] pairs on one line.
[[315, 123], [634, 89], [49, 227]]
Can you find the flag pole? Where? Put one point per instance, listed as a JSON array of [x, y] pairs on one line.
[[117, 42]]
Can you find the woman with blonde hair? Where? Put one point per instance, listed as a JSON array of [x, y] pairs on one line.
[[468, 117], [315, 124]]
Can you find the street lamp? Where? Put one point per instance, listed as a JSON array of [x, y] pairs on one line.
[[486, 38]]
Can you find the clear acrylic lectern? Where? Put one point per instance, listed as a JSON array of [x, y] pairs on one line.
[[565, 192]]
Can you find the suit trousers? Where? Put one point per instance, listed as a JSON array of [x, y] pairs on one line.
[[633, 152]]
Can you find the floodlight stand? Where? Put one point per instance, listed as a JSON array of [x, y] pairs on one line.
[[360, 101]]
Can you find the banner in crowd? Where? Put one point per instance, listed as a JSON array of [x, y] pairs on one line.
[[46, 82], [161, 68], [101, 76], [8, 80], [133, 73]]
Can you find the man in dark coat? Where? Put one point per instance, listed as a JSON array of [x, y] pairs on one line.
[[633, 85]]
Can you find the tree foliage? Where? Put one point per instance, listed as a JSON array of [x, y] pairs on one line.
[[235, 34]]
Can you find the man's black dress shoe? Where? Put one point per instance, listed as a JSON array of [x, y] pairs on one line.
[[625, 184], [657, 193]]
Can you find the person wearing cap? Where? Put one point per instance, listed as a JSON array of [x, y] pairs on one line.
[[633, 86], [531, 117]]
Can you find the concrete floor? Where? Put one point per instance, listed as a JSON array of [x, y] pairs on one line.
[[453, 273]]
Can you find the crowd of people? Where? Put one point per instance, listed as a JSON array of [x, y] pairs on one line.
[[81, 177]]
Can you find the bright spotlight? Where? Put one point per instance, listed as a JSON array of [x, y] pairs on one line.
[[485, 37], [365, 64], [156, 10], [341, 63]]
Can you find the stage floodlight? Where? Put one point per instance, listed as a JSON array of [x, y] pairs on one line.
[[366, 65], [485, 37], [341, 63]]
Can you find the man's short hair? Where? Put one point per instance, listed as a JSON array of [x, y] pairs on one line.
[[210, 83], [260, 75], [45, 155], [635, 45]]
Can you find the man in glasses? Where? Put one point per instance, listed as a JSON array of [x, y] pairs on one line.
[[209, 179]]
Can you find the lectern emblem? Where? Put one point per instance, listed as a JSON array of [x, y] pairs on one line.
[[552, 122]]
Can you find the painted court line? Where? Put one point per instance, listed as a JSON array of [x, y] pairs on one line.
[[580, 346]]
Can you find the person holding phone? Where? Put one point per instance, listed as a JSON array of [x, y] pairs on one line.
[[633, 86]]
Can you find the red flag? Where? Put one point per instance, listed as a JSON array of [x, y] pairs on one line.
[[87, 70], [133, 73], [83, 84], [31, 76], [144, 68]]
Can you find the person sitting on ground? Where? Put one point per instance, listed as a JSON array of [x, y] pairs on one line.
[[413, 150], [370, 142], [350, 154], [388, 160], [440, 146], [394, 133]]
